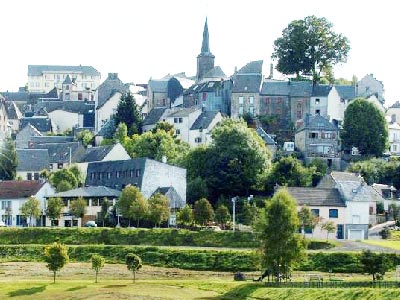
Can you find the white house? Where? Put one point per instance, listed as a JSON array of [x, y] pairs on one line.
[[183, 120], [394, 138], [14, 193], [200, 131]]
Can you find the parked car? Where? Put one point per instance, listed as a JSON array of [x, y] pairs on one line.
[[90, 224]]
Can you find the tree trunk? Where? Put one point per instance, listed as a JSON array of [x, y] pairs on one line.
[[137, 224], [96, 276], [54, 276]]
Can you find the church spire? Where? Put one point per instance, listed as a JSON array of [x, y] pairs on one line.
[[205, 46]]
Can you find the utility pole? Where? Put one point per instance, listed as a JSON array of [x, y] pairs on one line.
[[234, 212]]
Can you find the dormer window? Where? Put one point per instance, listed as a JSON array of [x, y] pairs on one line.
[[317, 101]]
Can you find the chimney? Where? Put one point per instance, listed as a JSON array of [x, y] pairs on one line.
[[112, 76], [271, 71]]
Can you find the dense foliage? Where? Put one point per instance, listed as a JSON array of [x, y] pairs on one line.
[[8, 161], [128, 112]]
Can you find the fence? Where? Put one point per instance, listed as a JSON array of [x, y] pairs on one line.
[[335, 284]]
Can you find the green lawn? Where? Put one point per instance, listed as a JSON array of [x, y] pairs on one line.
[[384, 243]]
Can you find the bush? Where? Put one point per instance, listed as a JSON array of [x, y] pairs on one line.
[[385, 233]]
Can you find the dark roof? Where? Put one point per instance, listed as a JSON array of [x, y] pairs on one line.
[[396, 105], [159, 85], [60, 152], [96, 153], [46, 139], [175, 201], [15, 96], [14, 189], [67, 80], [183, 112], [321, 90], [246, 83], [37, 70], [108, 129], [43, 124], [12, 110], [88, 192], [154, 116], [253, 67], [80, 107], [34, 160], [215, 72], [347, 92], [109, 87], [300, 88], [204, 86], [274, 87], [316, 196], [205, 45], [265, 136], [345, 176], [204, 120], [317, 122]]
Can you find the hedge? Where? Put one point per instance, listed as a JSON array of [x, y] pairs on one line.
[[124, 236]]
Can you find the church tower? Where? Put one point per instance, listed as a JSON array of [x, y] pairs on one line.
[[205, 60]]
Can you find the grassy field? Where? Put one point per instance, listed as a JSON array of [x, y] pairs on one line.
[[76, 281]]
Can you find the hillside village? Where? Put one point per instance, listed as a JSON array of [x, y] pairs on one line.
[[290, 116]]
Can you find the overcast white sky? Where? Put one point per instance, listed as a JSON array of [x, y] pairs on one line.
[[151, 38]]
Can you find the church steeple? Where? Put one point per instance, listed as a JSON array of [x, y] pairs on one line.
[[205, 46], [205, 60]]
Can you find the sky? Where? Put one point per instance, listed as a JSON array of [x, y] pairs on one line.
[[147, 39]]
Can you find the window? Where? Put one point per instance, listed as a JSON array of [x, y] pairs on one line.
[[241, 111], [29, 176], [315, 212], [333, 213], [5, 204], [21, 220], [7, 219], [180, 120], [251, 111], [177, 131], [67, 87], [36, 176], [176, 120], [137, 172], [131, 173], [266, 100], [197, 140], [251, 100], [317, 111], [313, 135], [299, 111], [317, 101], [240, 100], [59, 165], [80, 96]]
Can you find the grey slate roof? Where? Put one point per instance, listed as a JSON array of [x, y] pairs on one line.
[[108, 129], [359, 192], [15, 96], [300, 88], [159, 85], [46, 139], [67, 80], [275, 88], [215, 72], [265, 136], [204, 120], [80, 107], [34, 160], [95, 154], [253, 67], [347, 92], [175, 201], [317, 122], [60, 152], [246, 83], [43, 124], [89, 192], [321, 90], [316, 196], [183, 112], [345, 176], [109, 87], [154, 116], [204, 86], [12, 110], [37, 70]]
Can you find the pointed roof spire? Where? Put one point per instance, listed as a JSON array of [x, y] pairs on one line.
[[205, 46], [67, 80]]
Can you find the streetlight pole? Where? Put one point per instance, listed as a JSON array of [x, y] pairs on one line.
[[234, 212]]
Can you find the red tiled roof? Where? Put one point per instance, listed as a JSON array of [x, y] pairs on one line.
[[13, 189]]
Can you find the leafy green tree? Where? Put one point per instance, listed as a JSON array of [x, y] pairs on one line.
[[105, 205], [329, 227], [375, 264], [31, 209], [305, 218], [78, 207], [185, 216], [156, 146], [167, 127], [8, 161], [133, 263], [158, 208], [128, 112], [222, 215], [309, 46], [281, 246], [121, 133], [318, 167], [203, 211], [56, 257], [196, 189], [97, 263], [86, 137], [139, 209], [249, 213], [63, 175], [126, 202], [54, 208], [77, 173], [365, 127], [63, 186], [288, 171]]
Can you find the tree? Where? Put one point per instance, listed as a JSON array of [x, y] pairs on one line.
[[63, 186], [196, 189], [126, 202], [56, 257], [105, 205], [78, 207], [329, 226], [309, 46], [133, 263], [167, 127], [374, 264], [54, 208], [97, 263], [365, 127], [121, 133], [63, 175], [8, 161], [281, 246], [31, 209], [249, 213], [305, 218], [78, 174], [86, 137], [128, 112], [318, 167], [203, 211], [222, 215], [158, 208], [185, 216], [139, 209]]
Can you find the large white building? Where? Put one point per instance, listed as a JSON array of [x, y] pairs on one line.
[[43, 78]]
